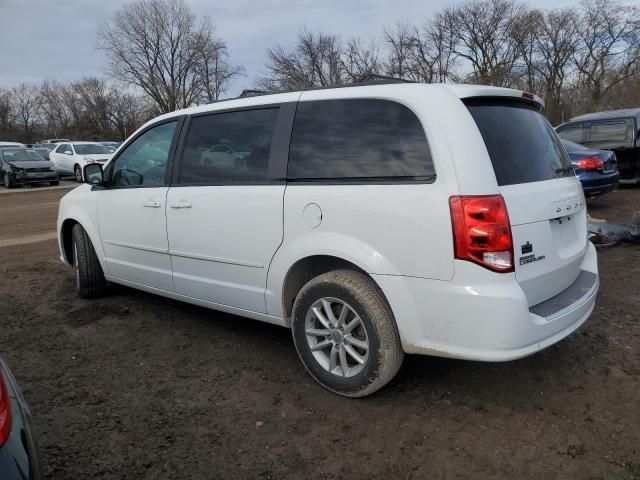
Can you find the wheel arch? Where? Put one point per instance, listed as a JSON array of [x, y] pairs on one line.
[[65, 238], [305, 269]]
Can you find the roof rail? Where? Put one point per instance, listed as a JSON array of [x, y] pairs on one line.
[[248, 92], [374, 78]]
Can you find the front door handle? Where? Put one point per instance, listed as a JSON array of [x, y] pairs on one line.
[[182, 204], [152, 204]]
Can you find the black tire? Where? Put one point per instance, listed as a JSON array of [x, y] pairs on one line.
[[8, 181], [54, 183], [77, 173], [384, 354], [90, 281]]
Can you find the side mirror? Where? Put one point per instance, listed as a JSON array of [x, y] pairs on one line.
[[93, 174]]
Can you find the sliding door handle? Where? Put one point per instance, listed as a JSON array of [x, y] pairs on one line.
[[152, 204], [181, 204]]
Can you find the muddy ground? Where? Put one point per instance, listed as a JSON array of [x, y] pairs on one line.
[[139, 387]]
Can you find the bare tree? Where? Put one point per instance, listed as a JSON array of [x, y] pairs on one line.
[[608, 52], [314, 62], [399, 44], [24, 108], [158, 46], [213, 67], [487, 35], [359, 60], [128, 111], [5, 112], [553, 47]]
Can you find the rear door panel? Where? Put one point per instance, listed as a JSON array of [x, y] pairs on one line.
[[548, 225]]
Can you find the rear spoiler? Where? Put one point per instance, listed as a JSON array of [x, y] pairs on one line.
[[479, 91]]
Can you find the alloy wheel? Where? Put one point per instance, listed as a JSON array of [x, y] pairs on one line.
[[337, 337]]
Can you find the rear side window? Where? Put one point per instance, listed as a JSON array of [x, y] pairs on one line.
[[228, 148], [522, 145], [610, 132], [358, 139]]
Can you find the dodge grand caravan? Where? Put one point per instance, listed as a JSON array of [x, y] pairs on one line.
[[372, 220]]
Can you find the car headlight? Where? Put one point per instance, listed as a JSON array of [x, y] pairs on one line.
[[89, 160]]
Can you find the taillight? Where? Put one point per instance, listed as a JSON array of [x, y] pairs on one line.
[[5, 411], [481, 231], [590, 163]]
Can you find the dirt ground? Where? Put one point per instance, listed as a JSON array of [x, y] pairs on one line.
[[133, 386]]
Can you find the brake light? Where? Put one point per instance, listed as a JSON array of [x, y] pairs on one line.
[[5, 411], [590, 163], [481, 231]]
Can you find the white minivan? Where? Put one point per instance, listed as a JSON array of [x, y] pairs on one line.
[[373, 220]]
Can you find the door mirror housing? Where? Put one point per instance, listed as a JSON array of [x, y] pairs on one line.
[[93, 174]]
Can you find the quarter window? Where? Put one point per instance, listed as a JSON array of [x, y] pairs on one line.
[[356, 139], [610, 132], [144, 161], [573, 133], [228, 148]]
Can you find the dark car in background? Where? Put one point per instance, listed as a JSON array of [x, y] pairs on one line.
[[21, 165], [615, 130], [19, 459], [596, 169], [44, 151]]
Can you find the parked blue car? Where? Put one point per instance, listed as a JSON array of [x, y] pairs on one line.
[[596, 169]]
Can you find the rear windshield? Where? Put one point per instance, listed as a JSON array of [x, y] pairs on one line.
[[522, 145]]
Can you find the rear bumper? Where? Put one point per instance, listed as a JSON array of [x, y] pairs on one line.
[[599, 183], [484, 317]]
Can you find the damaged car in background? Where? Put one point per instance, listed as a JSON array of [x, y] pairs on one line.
[[21, 166], [615, 130]]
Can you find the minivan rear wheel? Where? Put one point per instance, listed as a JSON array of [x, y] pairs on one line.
[[345, 333], [90, 281]]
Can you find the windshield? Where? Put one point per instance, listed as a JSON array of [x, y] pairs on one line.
[[22, 155], [91, 149]]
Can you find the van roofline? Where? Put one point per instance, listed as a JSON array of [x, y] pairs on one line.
[[385, 84]]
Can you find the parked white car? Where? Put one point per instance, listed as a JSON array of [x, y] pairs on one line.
[[70, 158], [372, 220]]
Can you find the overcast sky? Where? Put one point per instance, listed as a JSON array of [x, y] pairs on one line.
[[56, 39]]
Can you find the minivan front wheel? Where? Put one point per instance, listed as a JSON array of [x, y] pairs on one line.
[[90, 281], [345, 333]]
